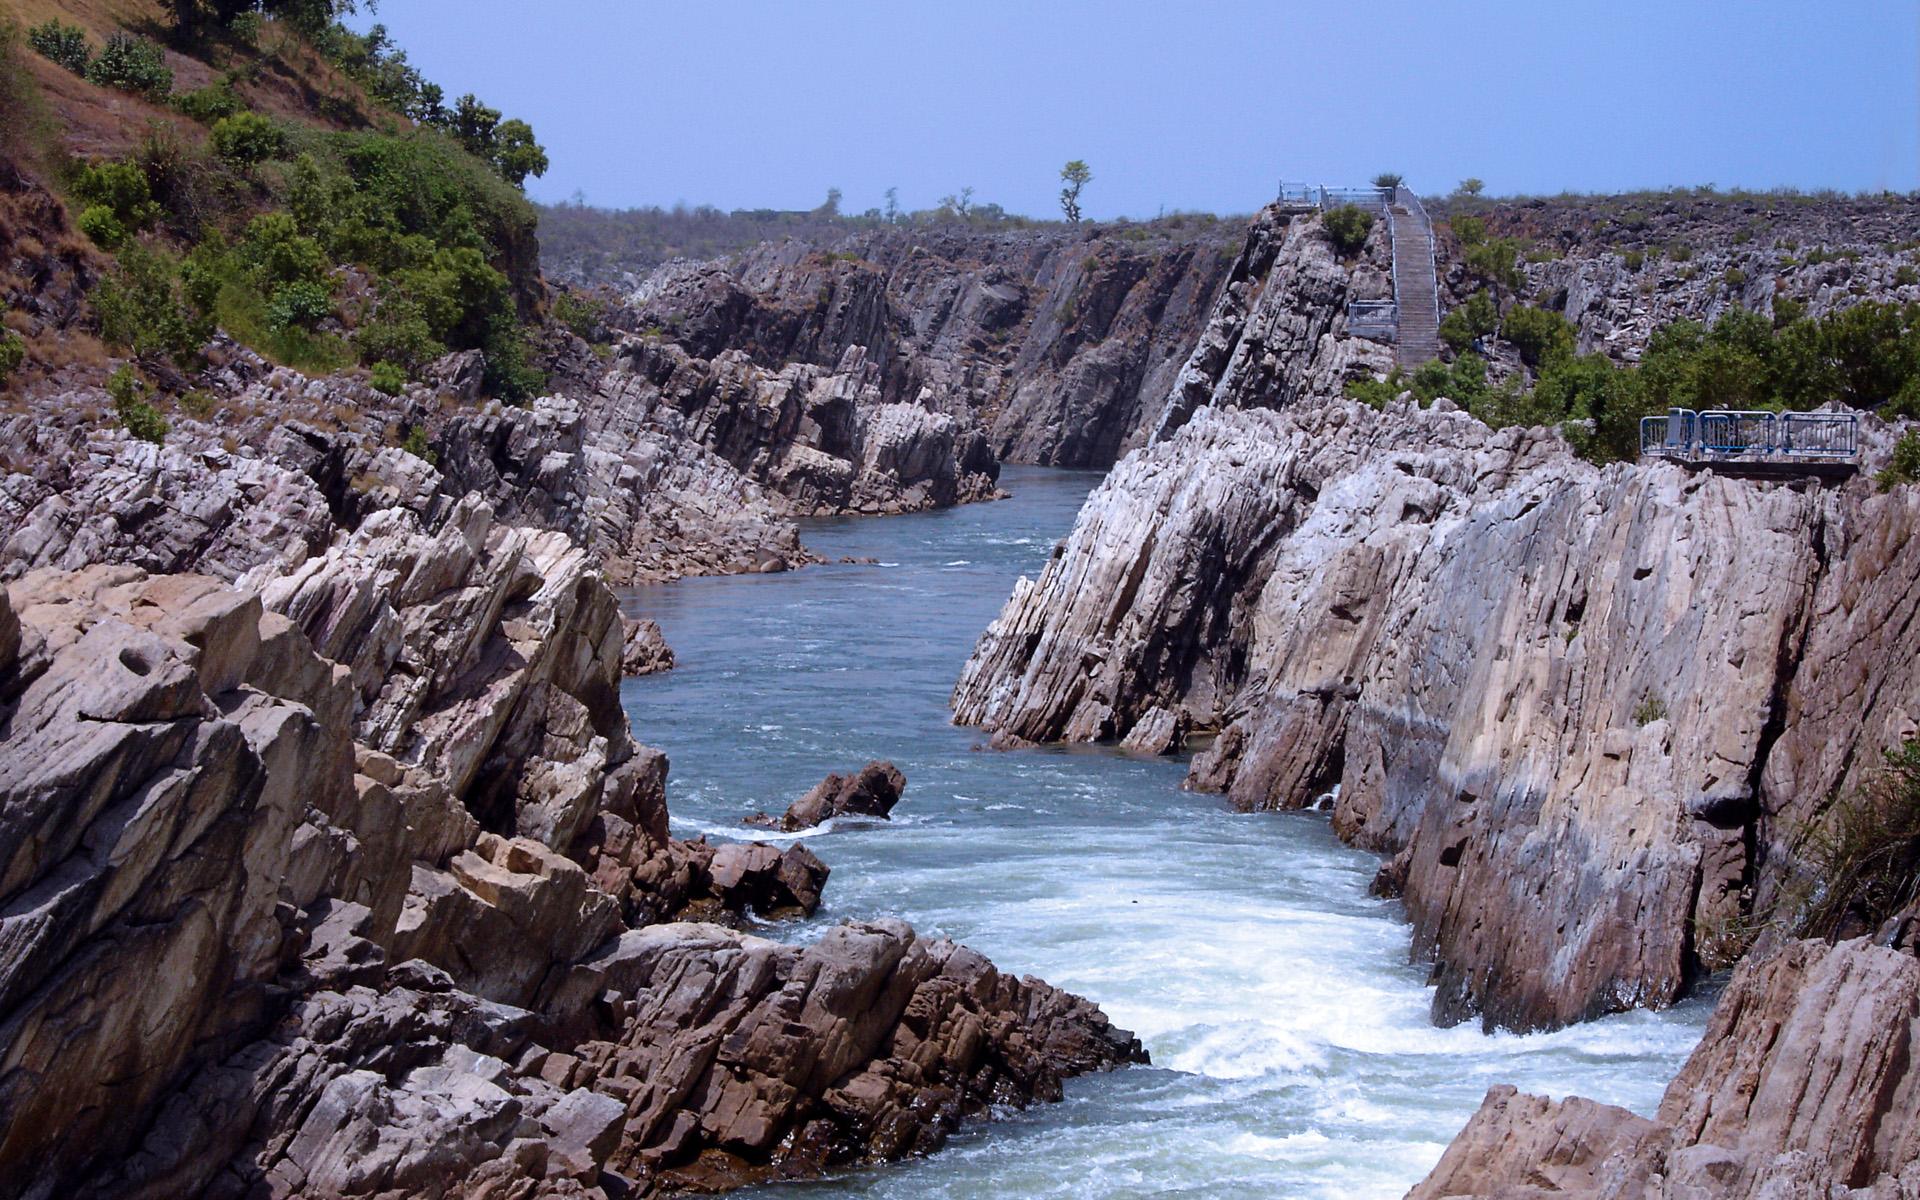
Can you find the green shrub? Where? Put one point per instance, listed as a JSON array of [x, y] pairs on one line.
[[1649, 710], [1787, 310], [1471, 231], [208, 104], [398, 334], [387, 378], [1734, 279], [1904, 465], [1496, 263], [276, 250], [417, 445], [98, 223], [132, 64], [248, 138], [300, 305], [1863, 859], [245, 28], [130, 405], [121, 188], [1540, 336], [144, 308], [64, 44], [1349, 226], [1376, 392], [1635, 259], [13, 352], [1680, 252], [1905, 275], [583, 315], [1472, 321]]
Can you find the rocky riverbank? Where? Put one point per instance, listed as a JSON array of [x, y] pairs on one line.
[[346, 881]]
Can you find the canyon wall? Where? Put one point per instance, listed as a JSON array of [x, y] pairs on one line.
[[1057, 345]]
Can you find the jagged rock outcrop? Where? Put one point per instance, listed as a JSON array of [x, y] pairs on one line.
[[1551, 694], [1802, 1086], [872, 791], [646, 651], [1059, 345], [349, 893], [1277, 335], [821, 441]]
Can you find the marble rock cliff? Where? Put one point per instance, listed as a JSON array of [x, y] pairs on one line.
[[1802, 1086], [348, 881], [1058, 347], [1582, 712]]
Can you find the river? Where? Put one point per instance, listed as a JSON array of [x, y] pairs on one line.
[[1292, 1053]]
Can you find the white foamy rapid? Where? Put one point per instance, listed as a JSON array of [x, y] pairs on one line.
[[1292, 1052]]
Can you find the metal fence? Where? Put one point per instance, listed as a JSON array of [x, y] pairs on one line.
[[1317, 195], [1377, 317], [1727, 434]]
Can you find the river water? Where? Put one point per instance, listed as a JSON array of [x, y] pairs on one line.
[[1292, 1054]]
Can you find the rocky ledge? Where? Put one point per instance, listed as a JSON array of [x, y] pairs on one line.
[[1804, 1085], [347, 881], [1585, 714]]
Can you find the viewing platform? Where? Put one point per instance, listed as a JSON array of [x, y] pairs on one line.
[[1756, 444]]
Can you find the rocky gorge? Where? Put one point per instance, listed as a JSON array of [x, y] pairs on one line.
[[332, 864], [1593, 719]]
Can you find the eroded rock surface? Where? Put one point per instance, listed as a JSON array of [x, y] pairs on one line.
[[1803, 1086]]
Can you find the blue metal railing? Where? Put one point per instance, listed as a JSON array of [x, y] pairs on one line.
[[1373, 316], [1721, 434]]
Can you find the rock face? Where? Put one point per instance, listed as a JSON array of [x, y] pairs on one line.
[[872, 791], [1059, 346], [1803, 1086], [1562, 700], [345, 887]]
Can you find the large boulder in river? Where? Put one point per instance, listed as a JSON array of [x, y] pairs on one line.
[[872, 791]]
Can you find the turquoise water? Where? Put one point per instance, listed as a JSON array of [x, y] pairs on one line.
[[1291, 1048]]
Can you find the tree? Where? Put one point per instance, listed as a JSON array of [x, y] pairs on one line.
[[1386, 181], [893, 206], [1349, 226], [515, 154], [1075, 176], [831, 206], [1471, 186]]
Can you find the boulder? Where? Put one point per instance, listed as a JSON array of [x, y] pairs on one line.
[[646, 651], [872, 791]]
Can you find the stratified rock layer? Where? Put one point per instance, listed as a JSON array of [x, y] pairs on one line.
[[1553, 695]]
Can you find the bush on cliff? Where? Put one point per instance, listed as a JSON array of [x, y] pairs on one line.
[[246, 139], [132, 64], [62, 43], [1542, 337], [13, 351], [1349, 227], [132, 409], [1470, 322], [1903, 466], [1863, 859], [147, 310]]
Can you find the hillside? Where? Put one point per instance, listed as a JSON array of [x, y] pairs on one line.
[[297, 186]]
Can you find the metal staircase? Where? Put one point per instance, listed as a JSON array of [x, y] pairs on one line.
[[1416, 280]]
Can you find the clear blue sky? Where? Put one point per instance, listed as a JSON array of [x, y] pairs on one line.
[[1201, 104]]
